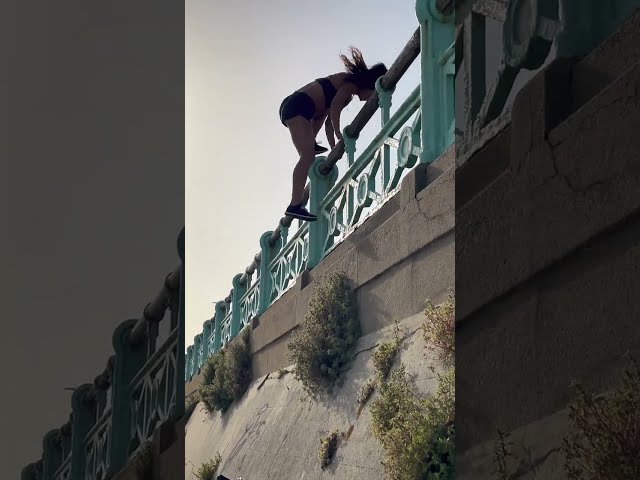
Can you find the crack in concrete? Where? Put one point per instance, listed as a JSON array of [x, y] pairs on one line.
[[566, 179], [587, 118], [444, 182], [365, 350], [427, 217]]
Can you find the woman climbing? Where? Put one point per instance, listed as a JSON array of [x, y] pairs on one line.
[[318, 102]]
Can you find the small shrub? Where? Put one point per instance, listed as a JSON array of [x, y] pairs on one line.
[[417, 434], [322, 348], [208, 470], [282, 372], [227, 375], [328, 448], [605, 440], [144, 461], [439, 329], [366, 391], [385, 355], [383, 359], [238, 364], [212, 393]]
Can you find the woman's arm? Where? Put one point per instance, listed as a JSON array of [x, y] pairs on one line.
[[341, 100], [328, 129]]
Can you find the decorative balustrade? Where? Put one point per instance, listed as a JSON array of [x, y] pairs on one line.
[[533, 32], [371, 179], [226, 328], [249, 304], [97, 448], [289, 262], [141, 388]]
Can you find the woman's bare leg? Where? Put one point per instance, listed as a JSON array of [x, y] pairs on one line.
[[316, 124], [304, 140]]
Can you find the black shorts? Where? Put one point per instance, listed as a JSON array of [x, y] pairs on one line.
[[296, 104]]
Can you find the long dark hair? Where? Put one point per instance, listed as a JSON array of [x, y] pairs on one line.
[[359, 74]]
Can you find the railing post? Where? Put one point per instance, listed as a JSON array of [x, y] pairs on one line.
[[350, 150], [65, 440], [212, 337], [266, 281], [83, 416], [437, 33], [349, 146], [129, 360], [219, 318], [236, 311], [206, 334], [181, 333], [101, 388], [319, 230], [33, 471], [51, 456], [197, 345], [385, 100], [189, 360]]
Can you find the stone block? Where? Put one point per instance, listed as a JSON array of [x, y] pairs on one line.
[[271, 357], [496, 370], [386, 298], [433, 272], [380, 250], [275, 321], [430, 215]]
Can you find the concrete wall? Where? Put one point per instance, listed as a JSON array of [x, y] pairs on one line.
[[548, 252], [273, 433], [398, 259]]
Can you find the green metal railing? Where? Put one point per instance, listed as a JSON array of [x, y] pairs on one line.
[[141, 388], [372, 178]]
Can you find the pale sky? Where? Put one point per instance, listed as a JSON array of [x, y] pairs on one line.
[[242, 59]]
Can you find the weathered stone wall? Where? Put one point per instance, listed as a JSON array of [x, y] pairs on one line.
[[548, 252], [274, 433]]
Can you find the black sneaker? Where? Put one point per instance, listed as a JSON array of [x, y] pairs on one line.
[[320, 148], [301, 213]]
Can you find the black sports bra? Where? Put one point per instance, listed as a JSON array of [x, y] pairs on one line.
[[328, 89]]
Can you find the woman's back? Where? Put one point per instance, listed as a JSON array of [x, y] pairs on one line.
[[316, 91]]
